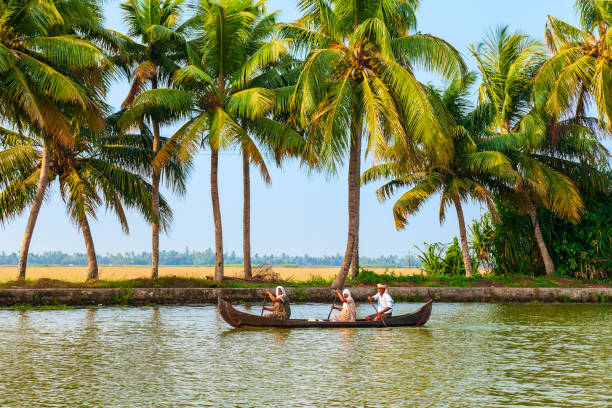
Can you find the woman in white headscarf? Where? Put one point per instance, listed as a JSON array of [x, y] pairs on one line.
[[281, 309], [348, 312]]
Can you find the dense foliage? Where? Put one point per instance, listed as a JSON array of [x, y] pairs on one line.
[[582, 250]]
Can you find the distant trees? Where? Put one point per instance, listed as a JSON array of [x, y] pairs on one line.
[[205, 258]]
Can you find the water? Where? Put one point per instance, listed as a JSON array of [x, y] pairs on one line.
[[468, 355]]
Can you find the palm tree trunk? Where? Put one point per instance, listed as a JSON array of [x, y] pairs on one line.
[[355, 260], [246, 217], [155, 199], [214, 192], [92, 260], [38, 200], [155, 227], [465, 251], [548, 262], [493, 210], [353, 205]]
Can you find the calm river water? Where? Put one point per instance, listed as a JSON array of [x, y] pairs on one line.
[[468, 355]]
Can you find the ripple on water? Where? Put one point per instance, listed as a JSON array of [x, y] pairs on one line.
[[476, 355]]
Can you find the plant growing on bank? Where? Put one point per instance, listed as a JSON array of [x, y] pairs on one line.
[[358, 82], [443, 260], [482, 234], [431, 257]]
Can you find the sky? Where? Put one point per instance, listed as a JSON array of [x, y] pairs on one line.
[[299, 213]]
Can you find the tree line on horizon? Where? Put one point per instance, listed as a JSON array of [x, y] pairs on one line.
[[205, 258], [338, 81]]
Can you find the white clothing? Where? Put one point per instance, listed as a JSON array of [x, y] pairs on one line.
[[283, 292], [384, 301]]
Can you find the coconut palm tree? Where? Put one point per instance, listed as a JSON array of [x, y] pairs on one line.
[[151, 52], [49, 71], [95, 170], [358, 81], [579, 70], [219, 94], [256, 142], [537, 144], [508, 63], [461, 178]]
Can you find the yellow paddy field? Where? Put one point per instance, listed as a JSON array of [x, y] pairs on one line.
[[79, 273]]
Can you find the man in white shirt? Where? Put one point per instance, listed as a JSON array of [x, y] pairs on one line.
[[385, 303]]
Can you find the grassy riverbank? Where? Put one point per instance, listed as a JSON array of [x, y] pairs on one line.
[[366, 278]]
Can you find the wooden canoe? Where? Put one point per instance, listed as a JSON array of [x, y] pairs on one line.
[[237, 318]]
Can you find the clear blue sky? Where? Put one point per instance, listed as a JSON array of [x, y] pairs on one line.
[[298, 213]]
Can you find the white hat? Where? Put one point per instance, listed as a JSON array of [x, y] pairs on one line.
[[381, 285]]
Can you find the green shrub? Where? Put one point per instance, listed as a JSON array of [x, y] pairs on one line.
[[316, 280], [453, 260], [300, 294], [431, 258]]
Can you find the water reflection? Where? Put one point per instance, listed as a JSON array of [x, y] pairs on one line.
[[469, 355]]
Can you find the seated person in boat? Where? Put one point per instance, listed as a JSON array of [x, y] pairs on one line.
[[385, 303], [348, 311], [281, 309]]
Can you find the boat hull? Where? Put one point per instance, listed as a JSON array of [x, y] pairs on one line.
[[237, 318]]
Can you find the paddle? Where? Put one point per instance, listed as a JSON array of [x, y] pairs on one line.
[[263, 304], [332, 307], [381, 316]]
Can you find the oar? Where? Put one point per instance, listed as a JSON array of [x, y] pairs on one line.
[[381, 316], [263, 304], [332, 307]]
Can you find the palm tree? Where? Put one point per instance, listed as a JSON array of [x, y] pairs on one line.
[[255, 139], [154, 59], [508, 64], [482, 234], [96, 169], [456, 180], [49, 70], [219, 93], [358, 81], [579, 70]]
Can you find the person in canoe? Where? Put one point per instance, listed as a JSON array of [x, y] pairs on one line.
[[348, 311], [385, 303], [281, 309]]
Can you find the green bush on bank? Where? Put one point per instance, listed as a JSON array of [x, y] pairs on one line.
[[581, 250], [443, 260]]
